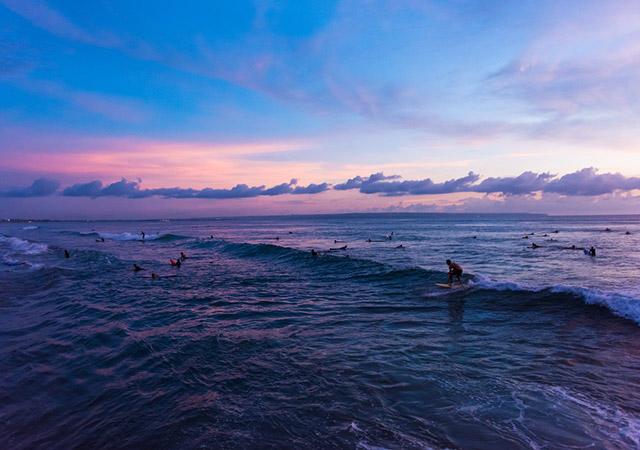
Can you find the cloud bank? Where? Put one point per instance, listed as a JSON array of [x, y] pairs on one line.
[[131, 189], [42, 187], [586, 182]]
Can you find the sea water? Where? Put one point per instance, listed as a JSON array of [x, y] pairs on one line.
[[256, 343]]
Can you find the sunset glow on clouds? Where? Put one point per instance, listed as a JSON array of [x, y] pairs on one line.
[[501, 106]]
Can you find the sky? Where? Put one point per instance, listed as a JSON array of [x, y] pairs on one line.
[[116, 109]]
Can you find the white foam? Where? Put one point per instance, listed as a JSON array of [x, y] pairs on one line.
[[16, 263], [604, 415], [24, 247], [30, 228], [625, 305]]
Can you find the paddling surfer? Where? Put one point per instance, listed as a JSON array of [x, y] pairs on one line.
[[454, 269]]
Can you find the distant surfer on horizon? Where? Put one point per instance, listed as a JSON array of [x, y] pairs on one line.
[[454, 269]]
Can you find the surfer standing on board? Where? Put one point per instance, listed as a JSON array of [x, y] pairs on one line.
[[454, 269]]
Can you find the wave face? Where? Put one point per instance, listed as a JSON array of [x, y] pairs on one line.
[[255, 342]]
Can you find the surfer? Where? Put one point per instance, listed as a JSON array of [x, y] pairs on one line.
[[142, 235], [400, 246], [314, 253], [183, 256], [454, 269], [66, 254], [155, 275], [137, 268], [175, 263], [534, 245], [573, 247], [592, 251]]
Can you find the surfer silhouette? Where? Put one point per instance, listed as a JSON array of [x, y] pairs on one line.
[[454, 269]]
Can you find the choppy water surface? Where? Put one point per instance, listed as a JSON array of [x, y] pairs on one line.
[[255, 343]]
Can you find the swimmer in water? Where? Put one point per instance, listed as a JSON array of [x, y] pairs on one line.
[[137, 268], [66, 254], [183, 256], [314, 253]]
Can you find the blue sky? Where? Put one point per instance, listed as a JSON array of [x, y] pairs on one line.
[[214, 95]]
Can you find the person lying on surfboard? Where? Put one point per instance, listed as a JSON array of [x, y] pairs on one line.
[[454, 269]]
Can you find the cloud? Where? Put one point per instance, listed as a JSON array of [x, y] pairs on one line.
[[358, 182], [586, 183], [311, 189], [131, 189], [524, 183], [91, 189], [377, 184], [42, 187]]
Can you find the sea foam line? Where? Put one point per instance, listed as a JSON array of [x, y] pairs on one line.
[[623, 305]]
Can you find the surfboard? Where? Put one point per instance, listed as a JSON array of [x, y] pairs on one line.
[[451, 286]]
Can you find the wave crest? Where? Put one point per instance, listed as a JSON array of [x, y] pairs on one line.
[[21, 246]]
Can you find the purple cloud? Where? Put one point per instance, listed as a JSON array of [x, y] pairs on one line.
[[42, 187], [585, 182], [131, 189], [358, 182], [91, 189], [376, 184], [311, 189], [525, 183], [588, 182]]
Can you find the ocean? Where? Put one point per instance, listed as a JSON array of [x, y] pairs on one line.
[[255, 343]]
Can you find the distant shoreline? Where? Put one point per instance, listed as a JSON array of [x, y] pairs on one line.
[[378, 215]]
